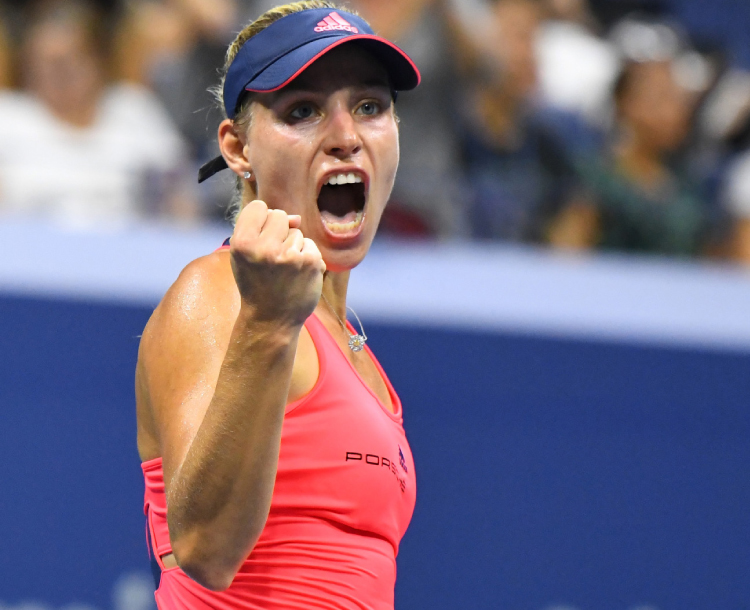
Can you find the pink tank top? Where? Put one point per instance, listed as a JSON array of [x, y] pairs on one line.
[[344, 495]]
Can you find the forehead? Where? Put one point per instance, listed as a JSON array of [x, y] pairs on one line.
[[653, 76], [58, 37], [347, 65]]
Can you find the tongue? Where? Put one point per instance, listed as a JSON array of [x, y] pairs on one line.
[[339, 204], [331, 218]]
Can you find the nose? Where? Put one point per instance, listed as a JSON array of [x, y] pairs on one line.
[[342, 138]]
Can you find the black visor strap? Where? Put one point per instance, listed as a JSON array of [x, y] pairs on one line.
[[209, 169]]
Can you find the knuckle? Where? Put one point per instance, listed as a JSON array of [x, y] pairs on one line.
[[311, 258], [241, 243], [252, 209]]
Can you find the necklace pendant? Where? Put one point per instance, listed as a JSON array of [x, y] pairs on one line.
[[356, 343]]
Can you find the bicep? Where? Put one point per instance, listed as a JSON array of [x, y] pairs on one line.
[[182, 351]]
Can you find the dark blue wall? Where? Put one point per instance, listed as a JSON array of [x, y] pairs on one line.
[[549, 471], [595, 475], [72, 502]]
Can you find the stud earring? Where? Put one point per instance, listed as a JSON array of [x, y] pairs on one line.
[[247, 175]]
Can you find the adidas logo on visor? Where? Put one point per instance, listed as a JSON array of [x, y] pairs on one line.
[[334, 21]]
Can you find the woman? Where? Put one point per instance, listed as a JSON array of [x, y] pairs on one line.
[[642, 197], [272, 437], [111, 154]]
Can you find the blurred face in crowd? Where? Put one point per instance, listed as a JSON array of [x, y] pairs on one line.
[[5, 64], [512, 45], [655, 107], [571, 10], [335, 120], [63, 69]]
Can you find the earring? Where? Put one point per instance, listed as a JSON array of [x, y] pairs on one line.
[[247, 175]]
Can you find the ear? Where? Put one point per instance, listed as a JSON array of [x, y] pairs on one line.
[[232, 146]]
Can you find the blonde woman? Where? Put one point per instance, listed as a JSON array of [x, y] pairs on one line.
[[277, 470]]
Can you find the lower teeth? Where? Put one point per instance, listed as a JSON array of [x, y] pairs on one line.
[[343, 227]]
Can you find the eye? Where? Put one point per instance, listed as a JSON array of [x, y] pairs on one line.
[[302, 112], [369, 108]]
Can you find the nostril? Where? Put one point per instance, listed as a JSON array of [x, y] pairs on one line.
[[345, 150]]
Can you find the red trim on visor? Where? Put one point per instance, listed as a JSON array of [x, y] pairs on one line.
[[334, 45]]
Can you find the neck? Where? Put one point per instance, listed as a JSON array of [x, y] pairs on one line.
[[335, 286], [82, 114], [641, 163], [645, 169], [498, 111]]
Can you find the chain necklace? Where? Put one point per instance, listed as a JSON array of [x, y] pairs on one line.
[[356, 341]]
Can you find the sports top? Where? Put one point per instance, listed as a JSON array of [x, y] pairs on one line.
[[344, 495]]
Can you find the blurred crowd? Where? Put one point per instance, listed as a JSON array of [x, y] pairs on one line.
[[608, 124]]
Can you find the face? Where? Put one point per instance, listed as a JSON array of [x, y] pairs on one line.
[[655, 107], [5, 65], [326, 147], [63, 70]]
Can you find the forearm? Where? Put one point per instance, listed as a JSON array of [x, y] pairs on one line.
[[220, 495]]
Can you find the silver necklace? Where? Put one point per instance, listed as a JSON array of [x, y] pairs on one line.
[[356, 341]]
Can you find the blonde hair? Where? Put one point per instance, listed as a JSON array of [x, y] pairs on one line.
[[243, 116]]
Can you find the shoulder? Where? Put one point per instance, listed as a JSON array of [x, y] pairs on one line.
[[23, 118], [182, 344], [198, 308]]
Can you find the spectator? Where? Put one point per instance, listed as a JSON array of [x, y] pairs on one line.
[[173, 47], [577, 67], [643, 199], [425, 199], [726, 132], [6, 70], [77, 149], [518, 165], [737, 201]]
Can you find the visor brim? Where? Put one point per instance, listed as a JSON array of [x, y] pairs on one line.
[[402, 72]]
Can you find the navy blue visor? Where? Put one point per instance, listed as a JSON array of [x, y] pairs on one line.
[[277, 55]]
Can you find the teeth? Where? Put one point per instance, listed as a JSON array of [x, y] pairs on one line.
[[344, 227], [349, 178]]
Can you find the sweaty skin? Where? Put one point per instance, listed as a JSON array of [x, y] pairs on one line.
[[226, 349]]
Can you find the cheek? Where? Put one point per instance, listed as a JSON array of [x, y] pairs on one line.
[[280, 166], [386, 159]]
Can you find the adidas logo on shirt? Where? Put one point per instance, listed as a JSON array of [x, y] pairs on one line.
[[334, 21]]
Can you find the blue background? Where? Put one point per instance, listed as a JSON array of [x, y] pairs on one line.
[[594, 474]]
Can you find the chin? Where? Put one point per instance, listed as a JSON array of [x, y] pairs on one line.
[[342, 260]]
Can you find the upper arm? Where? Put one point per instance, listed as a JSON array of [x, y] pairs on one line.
[[181, 353]]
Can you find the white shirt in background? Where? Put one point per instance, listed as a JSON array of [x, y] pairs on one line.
[[110, 173], [576, 70]]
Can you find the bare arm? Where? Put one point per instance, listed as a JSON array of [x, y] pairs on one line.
[[217, 359], [576, 226]]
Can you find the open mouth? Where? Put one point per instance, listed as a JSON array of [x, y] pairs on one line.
[[342, 202]]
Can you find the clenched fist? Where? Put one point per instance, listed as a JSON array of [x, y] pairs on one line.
[[278, 271]]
